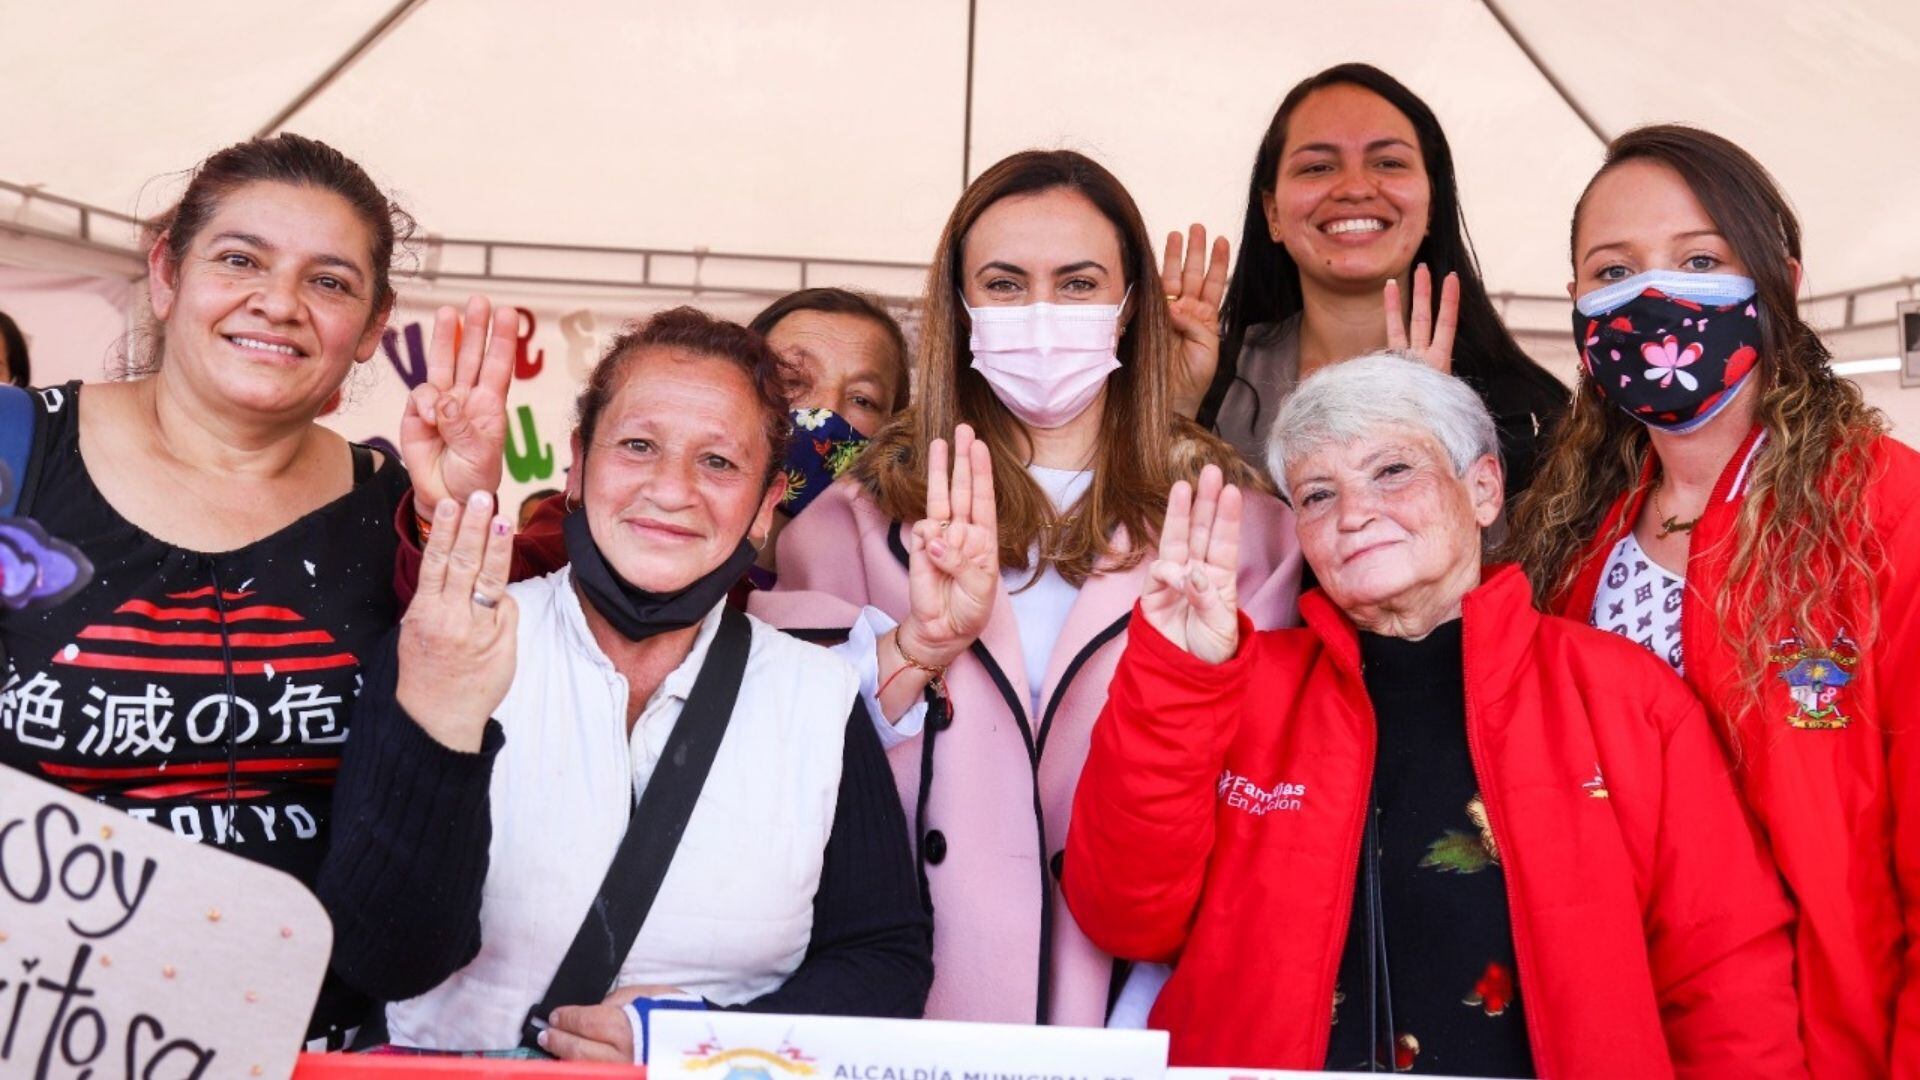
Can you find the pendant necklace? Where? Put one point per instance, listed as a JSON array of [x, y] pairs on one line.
[[1669, 524]]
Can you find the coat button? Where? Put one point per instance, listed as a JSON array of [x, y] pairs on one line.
[[934, 848], [1058, 864]]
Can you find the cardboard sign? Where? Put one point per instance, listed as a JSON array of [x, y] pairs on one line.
[[128, 951], [716, 1045]]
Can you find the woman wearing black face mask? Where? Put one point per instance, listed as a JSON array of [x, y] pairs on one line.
[[849, 360], [469, 849], [1721, 497]]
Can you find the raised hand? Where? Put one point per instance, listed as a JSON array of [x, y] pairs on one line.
[[953, 556], [454, 429], [1423, 334], [1191, 595], [457, 641], [1194, 284]]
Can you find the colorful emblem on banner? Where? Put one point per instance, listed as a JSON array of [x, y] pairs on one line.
[[747, 1062], [1815, 677]]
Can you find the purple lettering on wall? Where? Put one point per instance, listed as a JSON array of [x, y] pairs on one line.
[[413, 369]]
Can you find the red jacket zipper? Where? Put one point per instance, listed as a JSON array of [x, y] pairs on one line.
[[1521, 948], [1355, 832]]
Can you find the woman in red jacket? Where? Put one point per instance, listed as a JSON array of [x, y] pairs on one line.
[[1434, 829], [1743, 513]]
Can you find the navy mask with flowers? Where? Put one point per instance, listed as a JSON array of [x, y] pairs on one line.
[[1671, 349], [823, 446]]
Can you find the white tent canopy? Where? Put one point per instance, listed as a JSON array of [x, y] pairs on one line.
[[843, 130]]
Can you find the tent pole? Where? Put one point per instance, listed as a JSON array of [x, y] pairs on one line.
[[1513, 32], [966, 125], [392, 19]]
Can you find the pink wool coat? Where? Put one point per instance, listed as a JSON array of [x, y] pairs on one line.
[[987, 788]]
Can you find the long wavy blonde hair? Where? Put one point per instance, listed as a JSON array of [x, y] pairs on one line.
[[1801, 540], [1143, 446]]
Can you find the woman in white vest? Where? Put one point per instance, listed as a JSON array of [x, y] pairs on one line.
[[517, 752]]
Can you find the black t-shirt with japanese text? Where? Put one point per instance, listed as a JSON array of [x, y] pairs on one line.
[[205, 692]]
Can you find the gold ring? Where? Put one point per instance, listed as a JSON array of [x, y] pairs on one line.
[[1173, 298]]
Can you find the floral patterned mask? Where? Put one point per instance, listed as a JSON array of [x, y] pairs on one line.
[[823, 446], [1672, 349]]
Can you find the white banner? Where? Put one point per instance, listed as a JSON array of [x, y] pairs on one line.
[[716, 1045]]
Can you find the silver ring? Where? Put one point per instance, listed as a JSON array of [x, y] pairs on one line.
[[484, 600]]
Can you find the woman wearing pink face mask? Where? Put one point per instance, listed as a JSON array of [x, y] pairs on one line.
[[1047, 356]]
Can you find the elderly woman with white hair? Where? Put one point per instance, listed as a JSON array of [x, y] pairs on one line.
[[1432, 830]]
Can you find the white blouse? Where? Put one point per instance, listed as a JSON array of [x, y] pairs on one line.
[[1640, 600], [735, 914]]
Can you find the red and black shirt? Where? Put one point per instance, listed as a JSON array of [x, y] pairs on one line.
[[205, 692]]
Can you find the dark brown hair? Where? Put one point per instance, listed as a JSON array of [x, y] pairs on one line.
[[302, 162], [19, 370], [1794, 561], [833, 301], [1265, 287], [283, 159], [694, 331], [1143, 447]]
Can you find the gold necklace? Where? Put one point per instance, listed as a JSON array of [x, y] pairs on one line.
[[1670, 524]]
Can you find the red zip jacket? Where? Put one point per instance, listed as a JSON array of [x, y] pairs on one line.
[[1649, 929], [1833, 777]]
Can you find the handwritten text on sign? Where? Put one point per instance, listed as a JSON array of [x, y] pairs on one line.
[[127, 951]]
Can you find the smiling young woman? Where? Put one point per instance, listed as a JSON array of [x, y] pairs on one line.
[[1048, 331], [1353, 189], [1719, 496]]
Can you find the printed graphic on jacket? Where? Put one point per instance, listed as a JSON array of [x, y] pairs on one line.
[[1464, 852], [1815, 677]]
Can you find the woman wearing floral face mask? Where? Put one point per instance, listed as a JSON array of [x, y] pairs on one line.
[[1012, 570], [850, 361], [1721, 497]]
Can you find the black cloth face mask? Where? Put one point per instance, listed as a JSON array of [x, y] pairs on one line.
[[637, 613]]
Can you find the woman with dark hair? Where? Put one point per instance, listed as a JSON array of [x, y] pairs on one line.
[[1011, 570], [512, 740], [15, 370], [243, 553], [1721, 497], [1352, 197], [848, 360]]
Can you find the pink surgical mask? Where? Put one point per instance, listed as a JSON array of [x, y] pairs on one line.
[[1046, 362]]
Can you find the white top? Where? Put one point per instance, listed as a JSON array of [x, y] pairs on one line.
[[1641, 600], [1040, 610], [735, 913]]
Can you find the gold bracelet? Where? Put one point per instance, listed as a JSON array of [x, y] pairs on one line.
[[936, 676], [422, 527]]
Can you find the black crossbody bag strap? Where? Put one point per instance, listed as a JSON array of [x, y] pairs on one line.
[[646, 851]]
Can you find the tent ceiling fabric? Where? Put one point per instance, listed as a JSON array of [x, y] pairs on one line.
[[835, 130]]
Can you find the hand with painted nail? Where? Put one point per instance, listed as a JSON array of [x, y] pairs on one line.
[[1191, 595], [1422, 332], [953, 556], [457, 643], [454, 430]]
